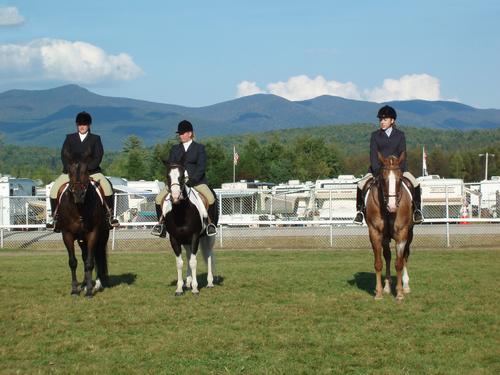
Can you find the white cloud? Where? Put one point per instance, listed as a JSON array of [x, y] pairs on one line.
[[412, 86], [62, 60], [246, 88], [10, 16]]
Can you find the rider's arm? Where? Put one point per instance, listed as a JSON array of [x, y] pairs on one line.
[[199, 171], [97, 153], [374, 162]]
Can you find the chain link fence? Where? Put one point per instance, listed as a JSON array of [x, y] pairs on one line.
[[264, 219]]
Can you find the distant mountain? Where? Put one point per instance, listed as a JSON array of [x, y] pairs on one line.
[[44, 117]]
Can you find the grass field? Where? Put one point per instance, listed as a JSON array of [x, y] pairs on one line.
[[276, 312]]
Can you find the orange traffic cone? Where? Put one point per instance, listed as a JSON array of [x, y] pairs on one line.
[[464, 215]]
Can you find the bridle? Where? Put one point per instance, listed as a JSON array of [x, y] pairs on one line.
[[78, 188], [180, 182]]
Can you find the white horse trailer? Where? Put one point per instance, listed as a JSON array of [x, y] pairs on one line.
[[16, 206], [490, 197], [440, 193], [336, 198]]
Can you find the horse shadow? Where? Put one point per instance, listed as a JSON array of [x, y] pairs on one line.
[[125, 278], [367, 281], [202, 280]]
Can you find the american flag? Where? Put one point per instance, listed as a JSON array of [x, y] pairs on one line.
[[236, 157]]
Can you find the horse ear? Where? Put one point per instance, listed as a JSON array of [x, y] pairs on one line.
[[380, 157], [402, 157]]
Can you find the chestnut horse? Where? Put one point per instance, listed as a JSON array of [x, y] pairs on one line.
[[389, 209], [82, 218]]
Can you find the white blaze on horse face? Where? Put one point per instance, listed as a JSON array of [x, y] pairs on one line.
[[175, 188], [391, 204]]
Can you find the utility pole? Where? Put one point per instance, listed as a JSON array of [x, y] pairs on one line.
[[486, 163]]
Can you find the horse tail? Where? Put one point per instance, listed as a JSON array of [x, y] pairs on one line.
[[101, 258]]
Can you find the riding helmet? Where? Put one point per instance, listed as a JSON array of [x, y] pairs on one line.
[[83, 118], [387, 111], [184, 126]]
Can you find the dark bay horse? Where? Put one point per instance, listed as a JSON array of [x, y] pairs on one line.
[[186, 227], [82, 218], [389, 216]]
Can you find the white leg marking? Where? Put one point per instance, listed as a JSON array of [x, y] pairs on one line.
[[192, 264], [406, 281], [189, 277], [387, 287], [400, 248], [180, 283], [98, 285]]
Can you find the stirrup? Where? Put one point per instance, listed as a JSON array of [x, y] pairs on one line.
[[158, 230], [113, 222], [360, 215], [416, 212], [211, 230]]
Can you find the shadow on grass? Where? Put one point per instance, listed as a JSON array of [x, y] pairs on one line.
[[124, 278], [367, 281], [202, 280]]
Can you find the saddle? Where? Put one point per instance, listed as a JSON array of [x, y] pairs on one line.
[[405, 182], [196, 198]]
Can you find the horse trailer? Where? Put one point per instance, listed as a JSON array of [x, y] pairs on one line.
[[23, 209]]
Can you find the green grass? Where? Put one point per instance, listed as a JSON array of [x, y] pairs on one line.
[[275, 312]]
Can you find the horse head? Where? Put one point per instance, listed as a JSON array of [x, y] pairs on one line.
[[176, 180], [79, 178], [390, 180]]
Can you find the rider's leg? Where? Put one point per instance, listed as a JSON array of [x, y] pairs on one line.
[[160, 229], [212, 208], [60, 181], [360, 202], [418, 217], [108, 198]]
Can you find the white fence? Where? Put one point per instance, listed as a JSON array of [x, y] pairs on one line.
[[257, 219]]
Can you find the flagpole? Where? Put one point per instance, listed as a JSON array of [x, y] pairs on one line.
[[423, 159], [234, 164]]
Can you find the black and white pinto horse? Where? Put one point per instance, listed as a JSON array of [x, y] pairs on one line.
[[185, 222], [82, 218]]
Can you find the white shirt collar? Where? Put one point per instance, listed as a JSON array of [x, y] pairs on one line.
[[187, 144], [83, 136], [388, 131]]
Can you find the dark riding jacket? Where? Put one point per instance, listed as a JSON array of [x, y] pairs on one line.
[[75, 147], [194, 161], [387, 146]]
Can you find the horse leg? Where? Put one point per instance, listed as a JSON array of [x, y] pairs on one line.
[[176, 246], [69, 241], [406, 277], [400, 261], [208, 255], [387, 256], [89, 264], [193, 263], [189, 273], [376, 240]]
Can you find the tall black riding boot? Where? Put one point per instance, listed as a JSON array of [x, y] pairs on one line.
[[360, 207], [53, 224], [159, 229], [418, 217], [110, 203], [212, 220]]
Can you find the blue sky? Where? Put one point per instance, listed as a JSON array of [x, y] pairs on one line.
[[198, 53]]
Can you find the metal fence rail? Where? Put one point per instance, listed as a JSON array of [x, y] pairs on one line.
[[257, 220]]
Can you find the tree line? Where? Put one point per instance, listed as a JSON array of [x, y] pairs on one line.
[[278, 156]]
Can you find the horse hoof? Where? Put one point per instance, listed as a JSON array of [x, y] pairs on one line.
[[387, 290], [400, 297], [89, 296], [210, 286], [407, 290], [378, 297], [75, 294], [196, 292], [178, 294]]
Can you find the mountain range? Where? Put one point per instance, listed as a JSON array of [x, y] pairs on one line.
[[43, 117]]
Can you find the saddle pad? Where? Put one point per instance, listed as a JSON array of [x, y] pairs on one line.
[[66, 186], [195, 199]]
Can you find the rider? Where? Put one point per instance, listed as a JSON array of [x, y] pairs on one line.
[[194, 158], [76, 144], [388, 140]]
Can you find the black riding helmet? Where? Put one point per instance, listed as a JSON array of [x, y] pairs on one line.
[[387, 111], [83, 118]]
